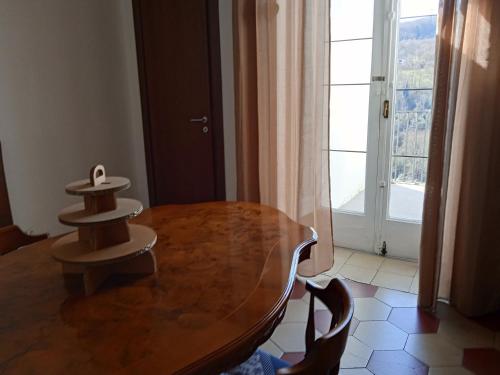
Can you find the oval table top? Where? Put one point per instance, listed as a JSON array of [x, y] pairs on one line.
[[225, 272]]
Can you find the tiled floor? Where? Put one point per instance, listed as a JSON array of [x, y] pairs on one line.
[[389, 335], [376, 270]]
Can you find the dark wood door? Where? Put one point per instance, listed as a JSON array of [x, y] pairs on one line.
[[179, 64]]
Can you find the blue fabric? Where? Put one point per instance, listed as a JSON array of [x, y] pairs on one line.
[[278, 363], [260, 363]]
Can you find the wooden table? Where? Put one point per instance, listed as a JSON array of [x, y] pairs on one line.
[[225, 272]]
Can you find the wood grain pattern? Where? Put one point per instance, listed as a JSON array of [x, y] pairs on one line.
[[225, 272]]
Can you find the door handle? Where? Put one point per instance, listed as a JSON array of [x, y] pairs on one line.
[[203, 119], [386, 109]]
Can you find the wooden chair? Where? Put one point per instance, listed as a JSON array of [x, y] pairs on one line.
[[323, 354], [11, 237]]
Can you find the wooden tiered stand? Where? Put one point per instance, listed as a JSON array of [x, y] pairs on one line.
[[105, 243]]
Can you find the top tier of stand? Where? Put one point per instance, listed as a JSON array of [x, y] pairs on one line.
[[111, 185]]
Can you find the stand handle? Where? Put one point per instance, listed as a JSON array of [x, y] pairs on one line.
[[97, 175]]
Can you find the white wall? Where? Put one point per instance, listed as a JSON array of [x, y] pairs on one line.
[[69, 98], [227, 67]]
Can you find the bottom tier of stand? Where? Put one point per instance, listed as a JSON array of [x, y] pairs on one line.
[[132, 257]]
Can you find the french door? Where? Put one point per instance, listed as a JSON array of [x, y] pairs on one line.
[[382, 66]]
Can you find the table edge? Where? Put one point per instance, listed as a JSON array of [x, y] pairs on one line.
[[244, 346]]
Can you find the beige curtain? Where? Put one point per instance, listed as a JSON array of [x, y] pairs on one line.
[[460, 252], [281, 70]]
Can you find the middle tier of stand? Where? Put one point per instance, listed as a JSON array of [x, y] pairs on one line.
[[77, 216]]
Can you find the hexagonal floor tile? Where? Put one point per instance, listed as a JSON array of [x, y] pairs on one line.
[[381, 335], [395, 298], [433, 350], [321, 279], [354, 325], [445, 312], [298, 291], [356, 354], [361, 290], [359, 274], [318, 305], [414, 320], [293, 358], [455, 370], [490, 321], [392, 281], [395, 362], [370, 309], [337, 265], [322, 320], [354, 371], [482, 361], [271, 348], [296, 311], [365, 260], [465, 333], [400, 267], [290, 337]]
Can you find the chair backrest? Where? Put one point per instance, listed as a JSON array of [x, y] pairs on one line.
[[12, 238], [323, 354]]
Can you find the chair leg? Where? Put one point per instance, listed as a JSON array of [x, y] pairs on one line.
[[335, 370]]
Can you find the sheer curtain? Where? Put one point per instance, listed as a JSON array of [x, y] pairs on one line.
[[460, 254], [281, 96]]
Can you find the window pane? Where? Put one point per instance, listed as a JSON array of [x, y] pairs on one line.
[[411, 133], [413, 108], [349, 117], [407, 188], [351, 19], [351, 62], [416, 51], [410, 100], [347, 174], [412, 8]]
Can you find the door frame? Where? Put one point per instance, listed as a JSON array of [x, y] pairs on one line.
[[369, 231], [217, 124]]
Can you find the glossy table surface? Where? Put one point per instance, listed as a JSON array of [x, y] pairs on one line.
[[225, 272]]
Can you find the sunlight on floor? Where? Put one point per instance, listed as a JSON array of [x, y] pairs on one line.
[[373, 269]]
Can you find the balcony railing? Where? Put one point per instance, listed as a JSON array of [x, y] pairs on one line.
[[410, 146]]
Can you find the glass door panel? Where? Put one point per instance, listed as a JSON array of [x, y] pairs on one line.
[[348, 173], [408, 143], [349, 106], [351, 19], [352, 122], [413, 105], [351, 61]]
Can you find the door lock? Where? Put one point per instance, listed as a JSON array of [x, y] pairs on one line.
[[205, 129]]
